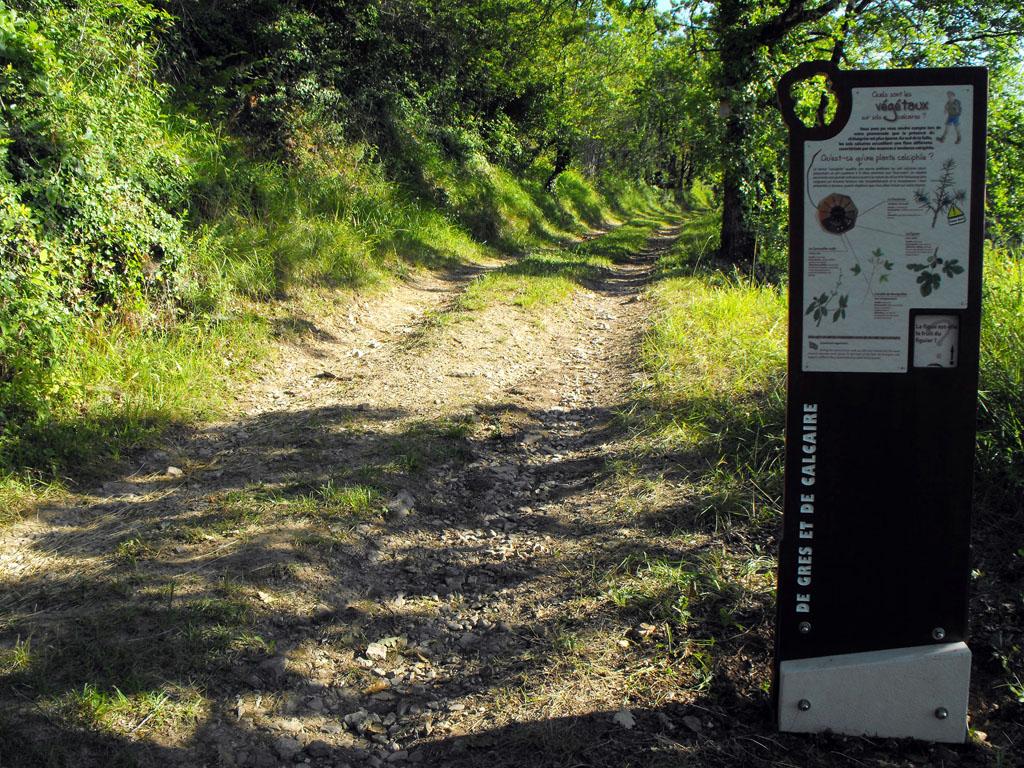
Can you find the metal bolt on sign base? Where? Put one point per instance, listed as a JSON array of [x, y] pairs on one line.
[[886, 242]]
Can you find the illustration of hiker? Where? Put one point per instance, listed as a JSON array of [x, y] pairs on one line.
[[953, 110]]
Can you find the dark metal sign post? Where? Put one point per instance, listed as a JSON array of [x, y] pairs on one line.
[[886, 228]]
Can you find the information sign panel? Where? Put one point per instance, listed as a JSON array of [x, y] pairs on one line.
[[886, 228]]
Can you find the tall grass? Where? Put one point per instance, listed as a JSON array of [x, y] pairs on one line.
[[1001, 396], [332, 218], [716, 355], [119, 385]]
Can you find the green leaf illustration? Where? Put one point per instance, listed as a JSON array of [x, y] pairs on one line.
[[929, 281], [952, 268]]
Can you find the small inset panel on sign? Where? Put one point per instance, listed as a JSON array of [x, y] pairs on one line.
[[936, 341]]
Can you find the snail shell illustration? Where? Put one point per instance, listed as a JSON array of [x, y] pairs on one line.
[[837, 213]]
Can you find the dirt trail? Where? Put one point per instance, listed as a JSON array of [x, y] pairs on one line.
[[416, 636]]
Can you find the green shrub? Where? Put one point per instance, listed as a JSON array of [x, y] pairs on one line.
[[31, 313], [92, 184], [87, 149]]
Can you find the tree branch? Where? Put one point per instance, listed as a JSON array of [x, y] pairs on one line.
[[986, 35], [795, 14]]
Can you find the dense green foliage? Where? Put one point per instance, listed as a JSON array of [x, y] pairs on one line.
[[512, 77], [94, 185]]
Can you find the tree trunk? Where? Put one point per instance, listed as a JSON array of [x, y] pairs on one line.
[[686, 178], [737, 238], [737, 245], [739, 69]]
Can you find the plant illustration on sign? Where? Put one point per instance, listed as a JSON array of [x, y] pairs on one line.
[[877, 262], [930, 277], [821, 305], [943, 197]]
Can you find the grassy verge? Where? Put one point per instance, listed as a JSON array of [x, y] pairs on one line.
[[998, 528], [1001, 439], [704, 476], [118, 387]]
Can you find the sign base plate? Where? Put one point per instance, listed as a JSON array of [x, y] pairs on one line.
[[919, 693]]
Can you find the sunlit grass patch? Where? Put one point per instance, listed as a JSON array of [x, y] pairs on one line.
[[333, 219], [260, 258], [237, 510], [623, 242], [717, 343], [249, 509], [585, 668], [16, 657], [130, 551], [121, 386], [434, 240], [539, 279], [636, 494], [21, 492], [229, 610], [581, 200], [136, 714], [716, 357], [347, 501], [700, 597], [656, 590], [695, 248], [1001, 428]]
